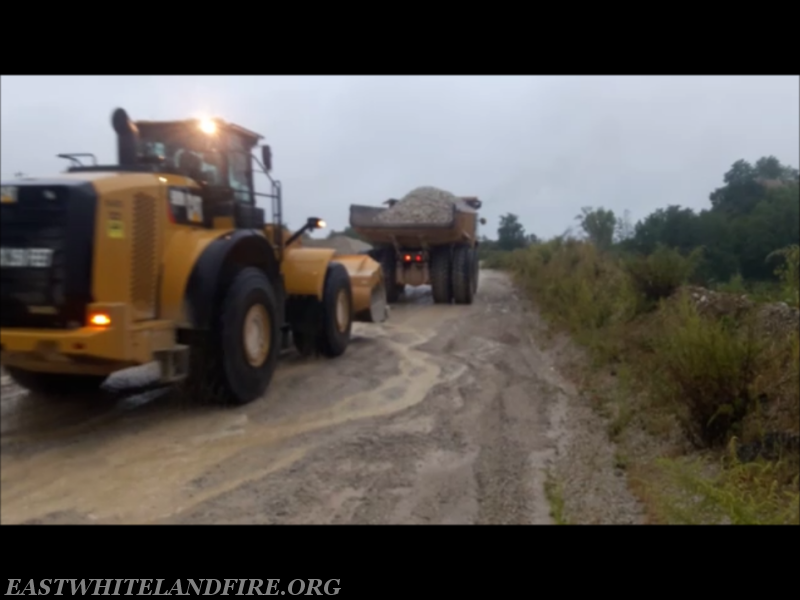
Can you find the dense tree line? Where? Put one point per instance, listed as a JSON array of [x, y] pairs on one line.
[[754, 213]]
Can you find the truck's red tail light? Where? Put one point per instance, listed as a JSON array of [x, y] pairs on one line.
[[407, 258]]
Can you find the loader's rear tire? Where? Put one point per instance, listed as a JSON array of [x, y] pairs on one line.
[[441, 280], [464, 275], [238, 363], [55, 384], [337, 312]]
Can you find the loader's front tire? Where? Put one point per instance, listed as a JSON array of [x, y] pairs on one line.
[[237, 365], [441, 280], [55, 384], [464, 275], [337, 312]]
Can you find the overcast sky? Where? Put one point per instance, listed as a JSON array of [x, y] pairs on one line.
[[540, 147]]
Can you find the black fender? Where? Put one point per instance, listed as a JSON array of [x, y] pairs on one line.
[[216, 267]]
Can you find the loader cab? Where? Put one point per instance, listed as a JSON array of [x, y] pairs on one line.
[[213, 153], [216, 154]]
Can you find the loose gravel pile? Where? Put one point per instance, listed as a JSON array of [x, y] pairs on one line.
[[423, 205]]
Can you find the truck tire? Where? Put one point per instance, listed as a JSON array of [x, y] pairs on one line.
[[441, 280], [388, 260], [463, 274], [238, 363], [337, 312], [55, 384]]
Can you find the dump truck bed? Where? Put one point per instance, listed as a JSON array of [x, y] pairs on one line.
[[461, 228]]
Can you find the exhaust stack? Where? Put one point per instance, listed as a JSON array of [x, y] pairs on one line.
[[127, 137]]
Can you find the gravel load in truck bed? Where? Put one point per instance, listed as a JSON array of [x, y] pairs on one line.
[[423, 205]]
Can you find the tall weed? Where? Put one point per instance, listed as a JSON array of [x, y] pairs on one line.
[[711, 366], [575, 283], [789, 273]]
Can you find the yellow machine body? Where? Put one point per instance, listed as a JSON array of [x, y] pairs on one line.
[[142, 267]]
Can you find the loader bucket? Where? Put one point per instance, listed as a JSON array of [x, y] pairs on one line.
[[368, 286]]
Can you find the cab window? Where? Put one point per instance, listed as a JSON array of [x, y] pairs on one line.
[[239, 176], [176, 149]]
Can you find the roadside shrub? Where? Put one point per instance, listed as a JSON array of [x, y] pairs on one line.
[[711, 366], [789, 273], [575, 283], [495, 259], [778, 386], [735, 285], [661, 273]]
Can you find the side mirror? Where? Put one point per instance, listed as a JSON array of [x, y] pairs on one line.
[[482, 221], [266, 157]]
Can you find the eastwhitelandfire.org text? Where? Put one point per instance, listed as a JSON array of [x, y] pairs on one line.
[[173, 587]]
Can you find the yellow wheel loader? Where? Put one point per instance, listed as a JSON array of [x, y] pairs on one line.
[[166, 257]]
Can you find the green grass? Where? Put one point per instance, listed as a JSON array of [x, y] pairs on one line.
[[698, 492], [555, 497]]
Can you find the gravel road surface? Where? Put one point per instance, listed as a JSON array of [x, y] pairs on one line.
[[444, 414]]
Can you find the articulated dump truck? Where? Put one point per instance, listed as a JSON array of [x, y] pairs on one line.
[[442, 253], [165, 257]]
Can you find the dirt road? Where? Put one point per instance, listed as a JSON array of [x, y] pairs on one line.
[[444, 414]]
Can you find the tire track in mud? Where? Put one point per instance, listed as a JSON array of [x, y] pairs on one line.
[[441, 415]]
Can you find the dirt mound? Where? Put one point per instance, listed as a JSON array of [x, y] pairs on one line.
[[779, 318], [774, 318], [425, 204], [340, 243], [718, 304]]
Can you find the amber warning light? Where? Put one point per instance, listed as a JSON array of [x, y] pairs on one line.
[[100, 320]]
